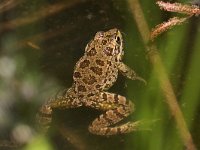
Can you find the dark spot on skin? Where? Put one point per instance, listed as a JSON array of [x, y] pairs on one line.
[[81, 88], [81, 96], [108, 119], [90, 94], [77, 75], [104, 96], [109, 63], [119, 130], [108, 130], [100, 62], [109, 36], [114, 76], [116, 60], [98, 86], [116, 98], [119, 115], [107, 86], [84, 63], [117, 49], [104, 42], [92, 52], [89, 80], [96, 70], [108, 51]]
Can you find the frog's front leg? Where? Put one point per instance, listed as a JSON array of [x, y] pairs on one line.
[[117, 108], [44, 116], [128, 72]]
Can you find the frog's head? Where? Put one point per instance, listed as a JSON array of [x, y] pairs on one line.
[[109, 44]]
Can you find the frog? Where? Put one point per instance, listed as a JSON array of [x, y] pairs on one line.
[[94, 73]]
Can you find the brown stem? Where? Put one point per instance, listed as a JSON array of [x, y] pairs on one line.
[[180, 8], [160, 70]]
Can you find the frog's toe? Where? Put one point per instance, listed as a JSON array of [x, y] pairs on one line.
[[44, 117]]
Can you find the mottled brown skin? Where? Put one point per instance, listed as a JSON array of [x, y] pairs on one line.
[[94, 73]]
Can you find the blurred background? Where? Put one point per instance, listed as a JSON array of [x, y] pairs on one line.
[[40, 42]]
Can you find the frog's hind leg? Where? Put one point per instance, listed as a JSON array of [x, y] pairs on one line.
[[44, 116], [117, 108]]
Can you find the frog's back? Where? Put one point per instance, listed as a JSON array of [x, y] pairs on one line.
[[97, 69], [94, 74]]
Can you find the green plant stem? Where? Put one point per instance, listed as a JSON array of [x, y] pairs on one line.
[[160, 70]]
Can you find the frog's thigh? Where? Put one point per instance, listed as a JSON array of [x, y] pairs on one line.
[[117, 108], [44, 116]]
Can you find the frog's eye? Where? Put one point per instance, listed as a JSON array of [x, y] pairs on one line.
[[118, 40]]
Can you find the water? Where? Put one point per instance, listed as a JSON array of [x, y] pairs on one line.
[[40, 43]]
